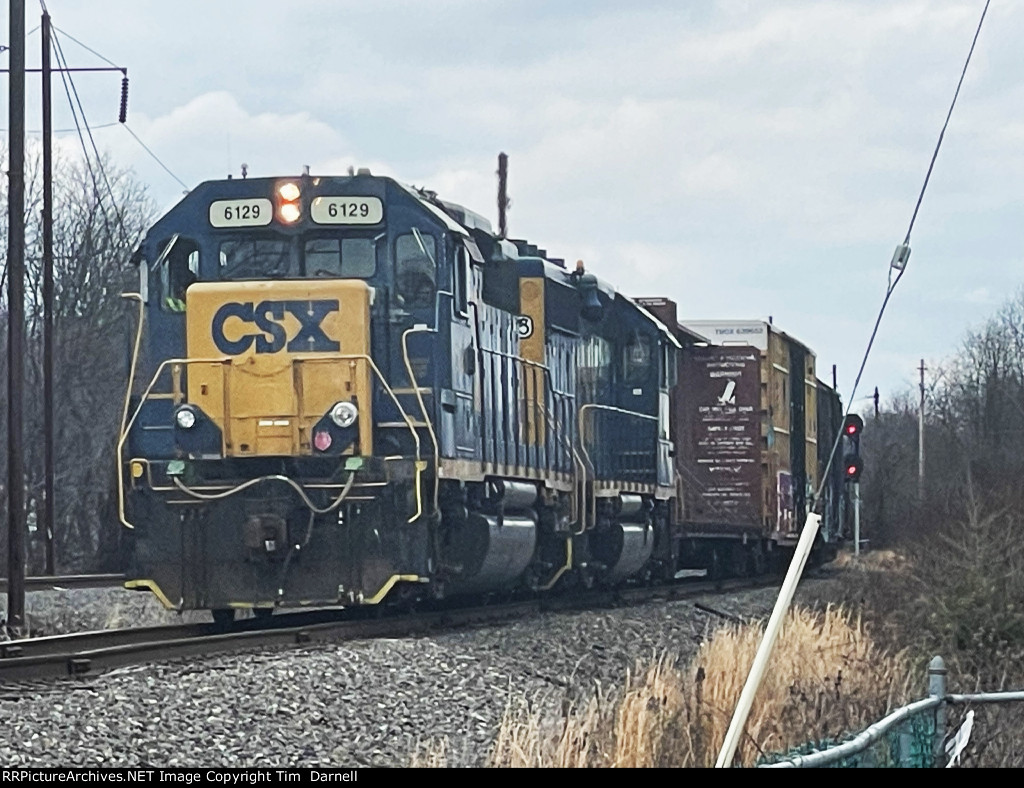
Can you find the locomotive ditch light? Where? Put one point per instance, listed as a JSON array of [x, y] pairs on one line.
[[344, 414], [185, 417]]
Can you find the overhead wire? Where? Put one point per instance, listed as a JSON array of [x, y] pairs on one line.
[[126, 126], [893, 281], [155, 157], [68, 80], [809, 531]]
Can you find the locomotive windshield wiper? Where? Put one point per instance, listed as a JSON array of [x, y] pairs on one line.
[[423, 246], [165, 252]]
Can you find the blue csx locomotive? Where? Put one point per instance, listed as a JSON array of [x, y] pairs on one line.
[[345, 389]]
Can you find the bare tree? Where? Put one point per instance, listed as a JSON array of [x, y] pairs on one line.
[[100, 213]]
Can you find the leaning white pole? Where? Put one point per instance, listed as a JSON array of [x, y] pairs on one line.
[[771, 634]]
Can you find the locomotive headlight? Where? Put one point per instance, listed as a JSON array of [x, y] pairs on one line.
[[185, 417], [344, 414], [289, 208], [289, 212], [289, 191]]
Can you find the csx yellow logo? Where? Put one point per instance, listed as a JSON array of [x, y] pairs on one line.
[[267, 316]]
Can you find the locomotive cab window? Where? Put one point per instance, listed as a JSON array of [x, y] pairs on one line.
[[179, 269], [415, 269], [636, 359], [257, 258], [347, 258]]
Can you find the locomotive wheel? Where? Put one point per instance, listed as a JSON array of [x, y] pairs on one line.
[[224, 616]]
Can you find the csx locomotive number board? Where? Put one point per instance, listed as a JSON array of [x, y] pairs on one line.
[[247, 212], [347, 210]]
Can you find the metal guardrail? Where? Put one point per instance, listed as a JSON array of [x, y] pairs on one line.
[[915, 733]]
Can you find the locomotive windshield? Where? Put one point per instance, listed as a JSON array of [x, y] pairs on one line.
[[283, 258], [256, 259]]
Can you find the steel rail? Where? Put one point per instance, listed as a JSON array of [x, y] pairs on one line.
[[82, 653], [44, 582]]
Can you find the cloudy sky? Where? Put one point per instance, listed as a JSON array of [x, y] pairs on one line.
[[744, 158]]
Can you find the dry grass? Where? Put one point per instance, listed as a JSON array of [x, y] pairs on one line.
[[430, 755], [826, 679]]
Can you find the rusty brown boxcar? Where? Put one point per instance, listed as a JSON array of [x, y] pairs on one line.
[[746, 428]]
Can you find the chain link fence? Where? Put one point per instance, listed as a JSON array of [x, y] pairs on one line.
[[917, 736]]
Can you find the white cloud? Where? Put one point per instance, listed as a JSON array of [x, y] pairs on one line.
[[746, 158]]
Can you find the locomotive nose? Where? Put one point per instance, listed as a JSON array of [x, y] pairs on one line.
[[269, 362]]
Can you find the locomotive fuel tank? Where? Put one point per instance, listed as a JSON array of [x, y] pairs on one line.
[[625, 545]]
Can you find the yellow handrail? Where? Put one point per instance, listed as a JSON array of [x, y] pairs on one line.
[[226, 359]]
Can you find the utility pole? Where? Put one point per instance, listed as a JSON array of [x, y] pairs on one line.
[[48, 460], [920, 440], [16, 281], [16, 525]]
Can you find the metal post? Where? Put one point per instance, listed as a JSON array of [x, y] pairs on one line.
[[48, 523], [920, 440], [937, 689], [16, 327], [856, 518], [771, 634]]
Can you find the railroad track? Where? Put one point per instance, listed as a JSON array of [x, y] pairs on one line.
[[82, 653], [44, 582]]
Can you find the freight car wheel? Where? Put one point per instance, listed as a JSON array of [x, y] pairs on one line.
[[223, 617]]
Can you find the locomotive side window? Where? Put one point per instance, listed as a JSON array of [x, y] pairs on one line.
[[636, 359], [348, 258], [180, 268], [415, 269], [594, 369], [257, 258], [461, 266]]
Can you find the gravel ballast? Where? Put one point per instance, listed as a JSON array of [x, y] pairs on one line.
[[351, 704]]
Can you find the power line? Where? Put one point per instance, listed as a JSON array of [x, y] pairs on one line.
[[90, 49], [155, 158], [899, 260], [69, 88], [810, 528]]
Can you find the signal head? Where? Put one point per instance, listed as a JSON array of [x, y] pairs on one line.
[[852, 466], [853, 425]]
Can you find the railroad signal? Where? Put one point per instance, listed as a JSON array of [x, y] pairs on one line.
[[853, 425]]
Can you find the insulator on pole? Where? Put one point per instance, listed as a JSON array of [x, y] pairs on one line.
[[123, 114]]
